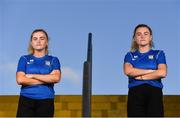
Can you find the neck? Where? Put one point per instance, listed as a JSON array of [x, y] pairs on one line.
[[39, 53], [144, 49]]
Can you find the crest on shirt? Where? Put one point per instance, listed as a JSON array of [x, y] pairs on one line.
[[135, 57], [151, 57], [30, 61], [47, 63]]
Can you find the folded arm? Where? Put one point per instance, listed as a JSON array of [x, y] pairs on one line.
[[144, 74], [129, 70], [22, 79], [161, 72], [53, 77]]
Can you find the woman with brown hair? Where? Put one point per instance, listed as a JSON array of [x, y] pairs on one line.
[[145, 68]]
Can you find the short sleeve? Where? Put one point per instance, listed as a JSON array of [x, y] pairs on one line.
[[56, 64], [161, 59], [21, 64], [128, 58]]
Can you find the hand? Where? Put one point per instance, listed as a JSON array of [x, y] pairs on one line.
[[139, 77], [29, 75]]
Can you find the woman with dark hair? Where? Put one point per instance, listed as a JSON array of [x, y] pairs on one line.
[[37, 73], [145, 68]]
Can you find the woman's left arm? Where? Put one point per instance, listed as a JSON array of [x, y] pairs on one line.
[[161, 72], [53, 77]]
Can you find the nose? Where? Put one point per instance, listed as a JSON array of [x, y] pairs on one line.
[[38, 40], [142, 36]]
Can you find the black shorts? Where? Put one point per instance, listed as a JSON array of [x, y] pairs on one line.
[[146, 101], [28, 107]]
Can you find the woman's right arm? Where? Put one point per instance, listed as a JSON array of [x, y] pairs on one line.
[[129, 70], [23, 80]]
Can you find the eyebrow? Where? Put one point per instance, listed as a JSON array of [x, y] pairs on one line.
[[143, 32], [40, 37]]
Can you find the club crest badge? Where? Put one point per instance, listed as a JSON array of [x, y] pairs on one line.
[[47, 63], [151, 57]]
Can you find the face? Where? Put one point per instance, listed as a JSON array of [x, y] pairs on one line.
[[143, 36], [39, 41]]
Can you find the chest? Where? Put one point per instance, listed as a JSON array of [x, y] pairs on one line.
[[147, 61], [38, 66]]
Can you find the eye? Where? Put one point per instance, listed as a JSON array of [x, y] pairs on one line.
[[42, 38], [146, 33], [138, 34], [34, 38]]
